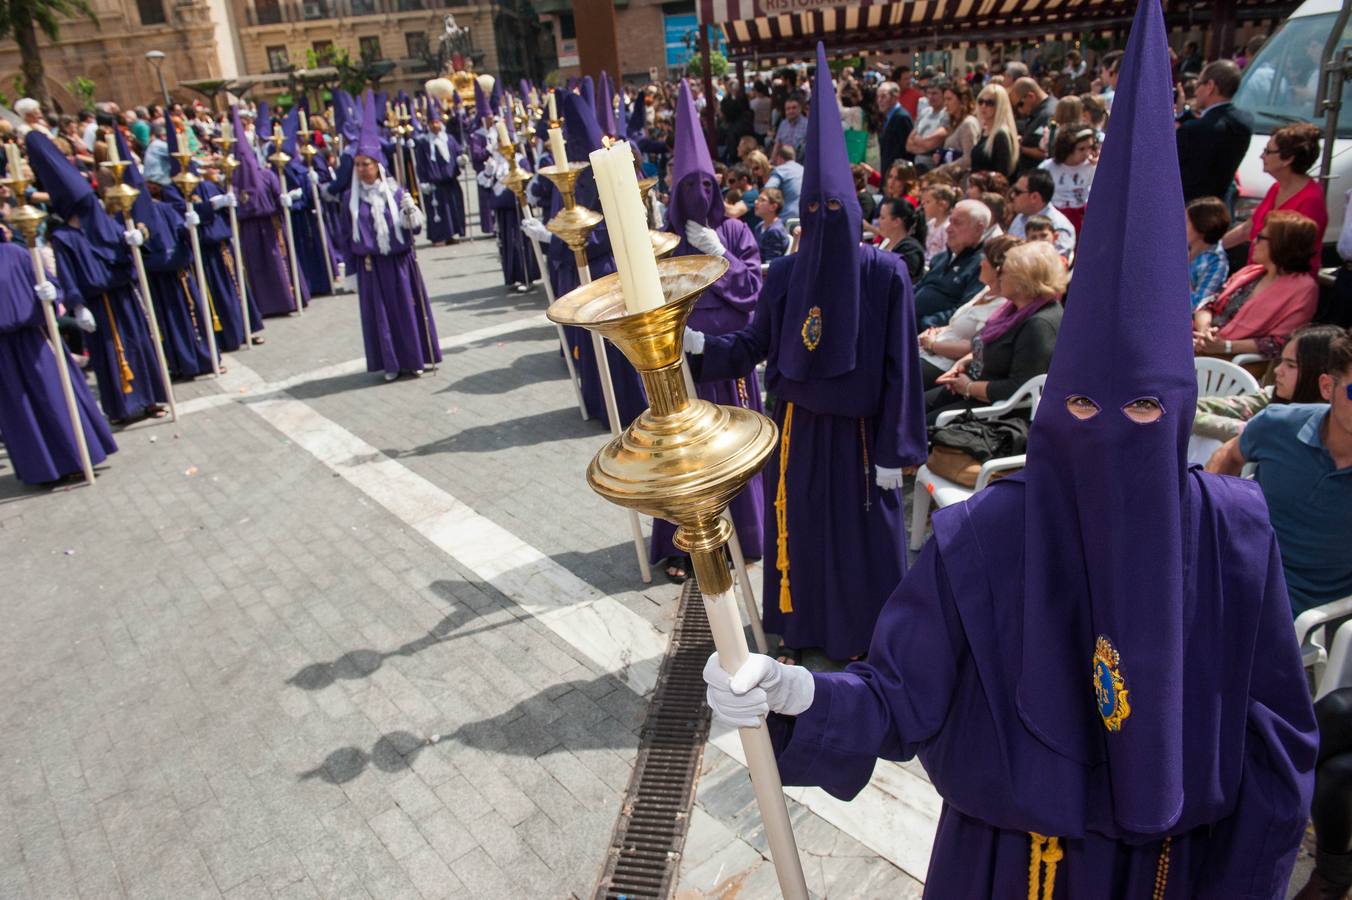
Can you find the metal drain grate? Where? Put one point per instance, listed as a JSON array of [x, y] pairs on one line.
[[645, 850]]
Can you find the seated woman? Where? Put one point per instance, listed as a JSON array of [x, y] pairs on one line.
[[1016, 342], [897, 221], [942, 346], [1295, 380], [1263, 303], [1287, 158]]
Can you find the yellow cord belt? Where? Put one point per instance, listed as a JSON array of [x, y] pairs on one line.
[[1162, 870], [127, 375], [1043, 850], [782, 513]]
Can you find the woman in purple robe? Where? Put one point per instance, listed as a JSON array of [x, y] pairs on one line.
[[834, 324], [696, 214], [34, 420], [1093, 659], [583, 136], [377, 232], [95, 272], [519, 267], [437, 154], [267, 266]]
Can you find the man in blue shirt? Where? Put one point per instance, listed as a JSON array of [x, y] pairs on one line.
[[792, 130], [787, 175], [1304, 457], [954, 276]]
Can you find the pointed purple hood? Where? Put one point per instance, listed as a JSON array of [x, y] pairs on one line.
[[481, 108], [346, 116], [368, 138], [824, 292], [1106, 491], [73, 196], [605, 108], [694, 185]]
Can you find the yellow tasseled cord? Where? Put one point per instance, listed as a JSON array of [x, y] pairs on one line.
[[1050, 854], [127, 375], [782, 513]]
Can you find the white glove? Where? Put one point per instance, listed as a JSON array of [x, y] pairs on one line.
[[887, 479], [462, 160], [293, 196], [694, 341], [410, 144], [485, 179], [535, 229], [231, 199], [220, 201], [313, 176], [45, 291], [425, 187], [704, 239], [191, 218], [84, 320], [133, 237], [760, 686]]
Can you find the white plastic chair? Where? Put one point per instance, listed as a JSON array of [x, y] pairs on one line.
[[942, 492], [1222, 378], [1338, 670], [1310, 636]]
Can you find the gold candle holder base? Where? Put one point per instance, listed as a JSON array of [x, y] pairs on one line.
[[683, 459], [573, 223]]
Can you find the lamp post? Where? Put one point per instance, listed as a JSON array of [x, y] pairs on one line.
[[156, 59]]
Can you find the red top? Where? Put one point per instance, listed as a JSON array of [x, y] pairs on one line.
[[1308, 201], [910, 98]]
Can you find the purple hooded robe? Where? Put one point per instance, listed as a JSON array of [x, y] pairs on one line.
[[1094, 658], [267, 266], [835, 326], [436, 154], [34, 423]]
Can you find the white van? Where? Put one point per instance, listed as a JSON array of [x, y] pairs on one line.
[[1278, 88]]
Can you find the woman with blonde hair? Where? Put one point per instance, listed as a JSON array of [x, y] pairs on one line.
[[995, 152], [1017, 340]]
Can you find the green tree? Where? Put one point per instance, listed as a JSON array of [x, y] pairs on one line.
[[718, 63], [83, 88], [22, 19]]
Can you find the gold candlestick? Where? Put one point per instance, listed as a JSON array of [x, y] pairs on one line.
[[683, 460], [516, 179], [663, 241], [574, 223]]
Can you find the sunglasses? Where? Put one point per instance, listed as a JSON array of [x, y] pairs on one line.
[[985, 101]]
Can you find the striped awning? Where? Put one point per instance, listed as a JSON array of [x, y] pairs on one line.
[[771, 28]]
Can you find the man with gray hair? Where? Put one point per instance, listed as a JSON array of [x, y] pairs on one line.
[[30, 111], [896, 127], [955, 274]]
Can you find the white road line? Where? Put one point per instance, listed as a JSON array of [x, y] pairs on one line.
[[894, 816]]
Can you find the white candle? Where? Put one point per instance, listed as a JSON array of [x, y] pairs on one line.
[[15, 164], [553, 108], [504, 140], [558, 147], [227, 130], [627, 225], [304, 122], [112, 147]]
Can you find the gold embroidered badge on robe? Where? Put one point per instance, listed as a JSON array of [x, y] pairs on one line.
[[1110, 689], [812, 328]]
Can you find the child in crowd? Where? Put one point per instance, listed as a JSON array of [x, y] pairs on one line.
[[1208, 265], [770, 234], [1039, 228], [939, 200], [1072, 171]]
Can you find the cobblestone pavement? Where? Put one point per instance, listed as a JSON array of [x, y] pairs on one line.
[[329, 637]]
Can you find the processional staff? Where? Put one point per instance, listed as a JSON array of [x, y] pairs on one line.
[[228, 166], [119, 199], [308, 151], [187, 184], [279, 161], [27, 218]]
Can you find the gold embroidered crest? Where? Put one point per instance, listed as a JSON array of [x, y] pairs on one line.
[[812, 328], [1110, 688]]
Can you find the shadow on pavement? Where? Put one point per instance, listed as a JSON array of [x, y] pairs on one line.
[[525, 431]]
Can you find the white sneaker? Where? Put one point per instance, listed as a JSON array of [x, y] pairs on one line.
[[390, 376]]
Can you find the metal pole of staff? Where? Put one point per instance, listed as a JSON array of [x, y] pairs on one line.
[[309, 151], [563, 338], [613, 413], [279, 160], [27, 218], [187, 184]]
